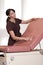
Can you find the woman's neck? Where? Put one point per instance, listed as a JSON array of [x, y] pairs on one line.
[[12, 20]]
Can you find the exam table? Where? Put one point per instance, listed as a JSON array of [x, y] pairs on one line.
[[22, 52]]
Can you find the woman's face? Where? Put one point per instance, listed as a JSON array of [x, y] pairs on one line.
[[12, 14]]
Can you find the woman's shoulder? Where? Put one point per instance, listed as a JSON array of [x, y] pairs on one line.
[[17, 18]]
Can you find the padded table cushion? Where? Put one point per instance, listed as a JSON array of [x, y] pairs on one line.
[[34, 30]]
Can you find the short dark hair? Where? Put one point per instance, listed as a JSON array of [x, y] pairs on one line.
[[8, 11]]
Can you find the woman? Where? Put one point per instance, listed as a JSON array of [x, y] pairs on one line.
[[13, 27]]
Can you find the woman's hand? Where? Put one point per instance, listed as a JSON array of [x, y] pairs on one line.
[[33, 19], [28, 38]]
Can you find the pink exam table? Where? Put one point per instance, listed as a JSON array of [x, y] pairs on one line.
[[19, 53], [34, 30]]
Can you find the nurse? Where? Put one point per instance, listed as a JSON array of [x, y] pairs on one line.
[[13, 27]]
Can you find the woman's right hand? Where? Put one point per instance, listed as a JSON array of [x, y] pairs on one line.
[[28, 38]]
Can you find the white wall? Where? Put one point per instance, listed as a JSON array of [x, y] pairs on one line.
[[32, 8], [1, 13]]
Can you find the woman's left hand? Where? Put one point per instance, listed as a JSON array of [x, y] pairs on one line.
[[33, 19]]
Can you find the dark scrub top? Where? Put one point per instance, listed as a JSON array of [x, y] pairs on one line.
[[15, 27]]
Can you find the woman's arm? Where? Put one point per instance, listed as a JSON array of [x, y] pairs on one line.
[[29, 21], [26, 22], [18, 38]]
